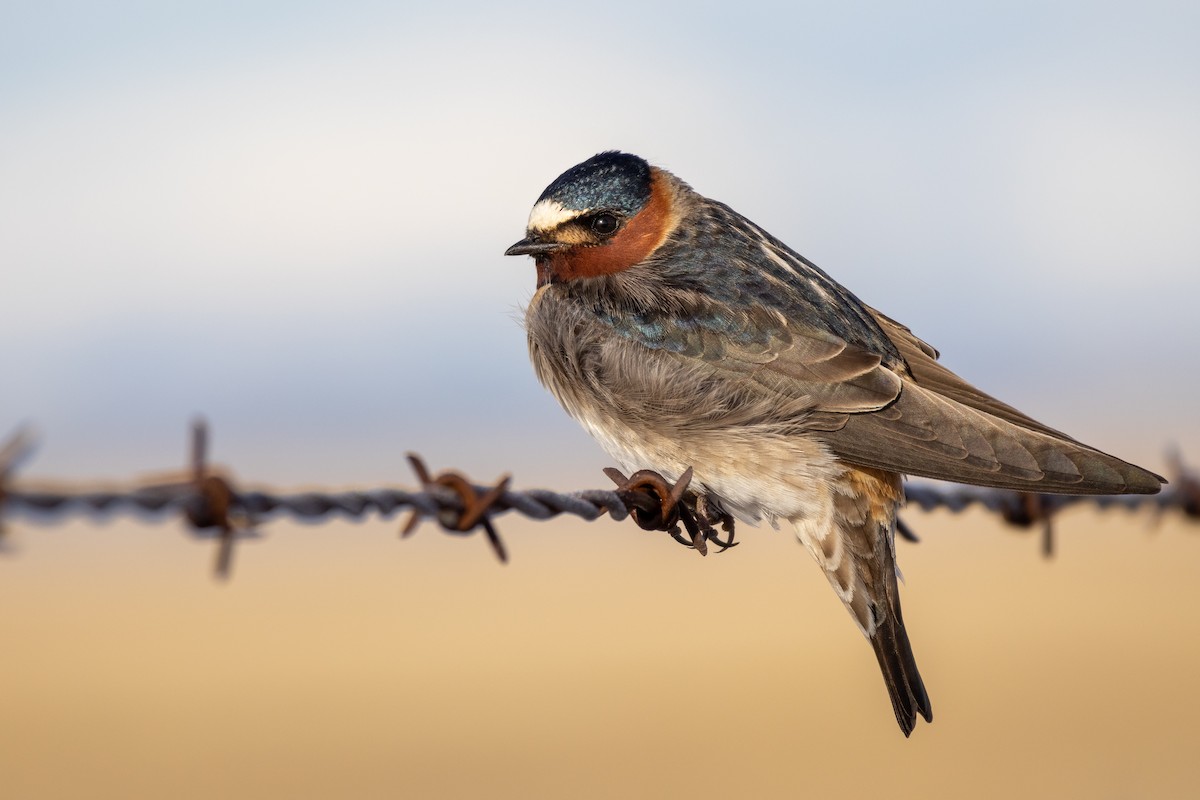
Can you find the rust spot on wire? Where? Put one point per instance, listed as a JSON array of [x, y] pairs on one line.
[[213, 502], [651, 497], [474, 508], [658, 505]]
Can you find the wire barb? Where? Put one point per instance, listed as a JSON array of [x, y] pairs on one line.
[[1027, 510], [16, 448], [1187, 485], [659, 505], [474, 505], [213, 502], [905, 531]]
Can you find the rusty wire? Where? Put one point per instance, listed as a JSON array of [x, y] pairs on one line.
[[214, 508]]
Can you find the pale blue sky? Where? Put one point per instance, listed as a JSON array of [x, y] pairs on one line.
[[290, 216]]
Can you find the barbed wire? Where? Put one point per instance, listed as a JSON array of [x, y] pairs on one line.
[[213, 508]]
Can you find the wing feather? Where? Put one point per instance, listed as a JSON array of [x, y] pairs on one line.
[[997, 452], [876, 395], [928, 422], [925, 369], [780, 356]]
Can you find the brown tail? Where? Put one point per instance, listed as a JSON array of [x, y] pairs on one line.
[[857, 553], [900, 673]]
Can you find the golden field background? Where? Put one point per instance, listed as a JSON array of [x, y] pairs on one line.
[[603, 661]]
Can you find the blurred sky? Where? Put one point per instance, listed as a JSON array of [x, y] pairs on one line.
[[290, 217]]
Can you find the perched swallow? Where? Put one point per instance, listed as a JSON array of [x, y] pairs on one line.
[[679, 333]]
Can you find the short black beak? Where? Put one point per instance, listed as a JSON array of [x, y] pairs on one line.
[[532, 247]]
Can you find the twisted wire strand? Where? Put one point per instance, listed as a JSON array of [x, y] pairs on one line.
[[214, 508], [538, 504], [45, 505]]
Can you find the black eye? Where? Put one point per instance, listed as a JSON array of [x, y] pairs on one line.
[[605, 224]]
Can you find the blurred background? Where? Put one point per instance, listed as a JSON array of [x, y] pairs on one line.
[[290, 217]]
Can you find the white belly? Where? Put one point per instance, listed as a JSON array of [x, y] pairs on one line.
[[755, 475]]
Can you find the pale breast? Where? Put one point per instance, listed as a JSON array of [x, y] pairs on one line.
[[651, 411]]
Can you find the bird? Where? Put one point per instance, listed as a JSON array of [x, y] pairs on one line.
[[682, 335]]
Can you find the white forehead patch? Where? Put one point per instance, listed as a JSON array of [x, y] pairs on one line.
[[549, 214]]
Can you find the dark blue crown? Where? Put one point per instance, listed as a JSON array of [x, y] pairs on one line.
[[611, 180]]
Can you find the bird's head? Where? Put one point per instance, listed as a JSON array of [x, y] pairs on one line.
[[597, 218]]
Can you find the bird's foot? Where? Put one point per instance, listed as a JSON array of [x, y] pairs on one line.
[[656, 504]]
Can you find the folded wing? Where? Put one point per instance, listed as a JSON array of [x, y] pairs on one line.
[[912, 416], [942, 427]]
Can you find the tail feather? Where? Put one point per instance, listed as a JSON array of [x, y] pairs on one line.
[[900, 673], [854, 543], [892, 647]]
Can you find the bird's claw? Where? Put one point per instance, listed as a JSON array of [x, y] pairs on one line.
[[656, 504]]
